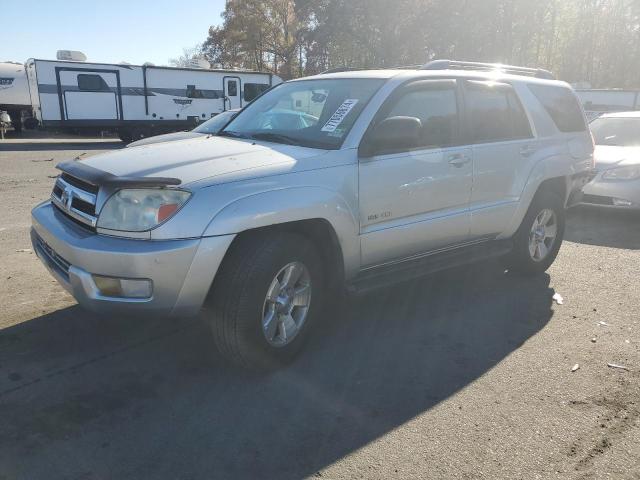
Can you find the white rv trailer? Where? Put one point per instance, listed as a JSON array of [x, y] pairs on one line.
[[136, 101], [14, 92]]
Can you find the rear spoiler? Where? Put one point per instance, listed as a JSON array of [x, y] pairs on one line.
[[98, 178]]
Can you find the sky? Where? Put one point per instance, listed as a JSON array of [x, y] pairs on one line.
[[112, 31]]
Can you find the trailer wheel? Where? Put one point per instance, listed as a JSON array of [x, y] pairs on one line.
[[125, 135], [31, 123], [138, 134], [16, 120]]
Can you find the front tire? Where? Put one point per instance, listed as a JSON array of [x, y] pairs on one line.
[[265, 299], [539, 238]]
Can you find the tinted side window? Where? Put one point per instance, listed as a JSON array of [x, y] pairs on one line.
[[562, 105], [495, 113], [437, 109], [92, 83], [252, 90]]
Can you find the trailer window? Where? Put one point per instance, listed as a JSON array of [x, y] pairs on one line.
[[232, 89], [93, 83], [193, 92], [253, 90]]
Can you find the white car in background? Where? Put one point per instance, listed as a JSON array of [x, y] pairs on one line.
[[210, 127], [617, 162]]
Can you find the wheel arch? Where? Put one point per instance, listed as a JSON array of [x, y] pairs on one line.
[[317, 213], [319, 232], [557, 185], [551, 175]]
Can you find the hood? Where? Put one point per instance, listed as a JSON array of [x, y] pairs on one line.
[[167, 137], [205, 158], [611, 156]]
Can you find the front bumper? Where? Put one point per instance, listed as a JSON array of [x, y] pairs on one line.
[[622, 194], [181, 271]]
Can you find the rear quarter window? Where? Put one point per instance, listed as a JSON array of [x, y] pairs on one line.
[[495, 113], [562, 106]]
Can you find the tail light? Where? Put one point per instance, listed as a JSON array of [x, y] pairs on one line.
[[593, 156]]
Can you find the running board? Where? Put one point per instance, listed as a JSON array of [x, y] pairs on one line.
[[387, 275]]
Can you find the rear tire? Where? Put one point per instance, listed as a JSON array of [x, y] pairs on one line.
[[539, 238], [251, 291]]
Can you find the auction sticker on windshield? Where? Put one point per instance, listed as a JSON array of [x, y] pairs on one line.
[[341, 113]]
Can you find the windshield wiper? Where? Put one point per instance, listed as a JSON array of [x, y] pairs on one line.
[[276, 137], [230, 134]]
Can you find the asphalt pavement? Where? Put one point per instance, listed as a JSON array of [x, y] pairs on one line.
[[466, 374]]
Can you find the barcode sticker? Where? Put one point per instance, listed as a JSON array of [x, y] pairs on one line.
[[337, 118]]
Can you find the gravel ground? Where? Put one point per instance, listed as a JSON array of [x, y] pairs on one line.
[[466, 374]]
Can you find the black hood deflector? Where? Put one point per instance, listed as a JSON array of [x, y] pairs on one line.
[[100, 178]]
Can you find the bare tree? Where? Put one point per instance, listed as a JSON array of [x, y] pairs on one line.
[[188, 54], [581, 40]]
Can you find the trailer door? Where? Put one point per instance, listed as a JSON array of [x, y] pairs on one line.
[[232, 93], [89, 94]]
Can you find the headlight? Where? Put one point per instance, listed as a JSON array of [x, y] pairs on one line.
[[623, 173], [140, 210]]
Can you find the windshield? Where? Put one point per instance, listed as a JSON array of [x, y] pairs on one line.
[[310, 113], [213, 125], [619, 132]]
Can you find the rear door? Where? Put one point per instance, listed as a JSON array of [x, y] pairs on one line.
[[503, 149], [89, 95]]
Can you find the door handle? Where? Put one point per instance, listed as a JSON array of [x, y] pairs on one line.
[[528, 150], [458, 160]]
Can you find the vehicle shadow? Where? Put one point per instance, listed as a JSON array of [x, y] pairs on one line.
[[604, 227], [84, 397], [79, 144]]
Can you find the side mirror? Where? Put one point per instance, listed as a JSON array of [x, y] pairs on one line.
[[393, 134]]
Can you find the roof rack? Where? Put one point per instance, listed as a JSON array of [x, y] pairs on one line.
[[512, 69], [341, 69], [358, 69]]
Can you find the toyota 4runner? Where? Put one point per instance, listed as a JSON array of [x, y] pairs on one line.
[[342, 181]]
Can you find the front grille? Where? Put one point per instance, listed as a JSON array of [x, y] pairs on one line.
[[597, 200], [84, 207], [81, 184], [76, 199], [54, 260]]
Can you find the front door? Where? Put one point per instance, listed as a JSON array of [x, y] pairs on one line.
[[89, 95], [417, 201], [233, 98]]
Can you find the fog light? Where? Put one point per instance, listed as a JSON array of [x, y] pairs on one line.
[[620, 202], [123, 287]]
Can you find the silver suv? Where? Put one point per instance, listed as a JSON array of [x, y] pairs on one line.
[[342, 181]]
